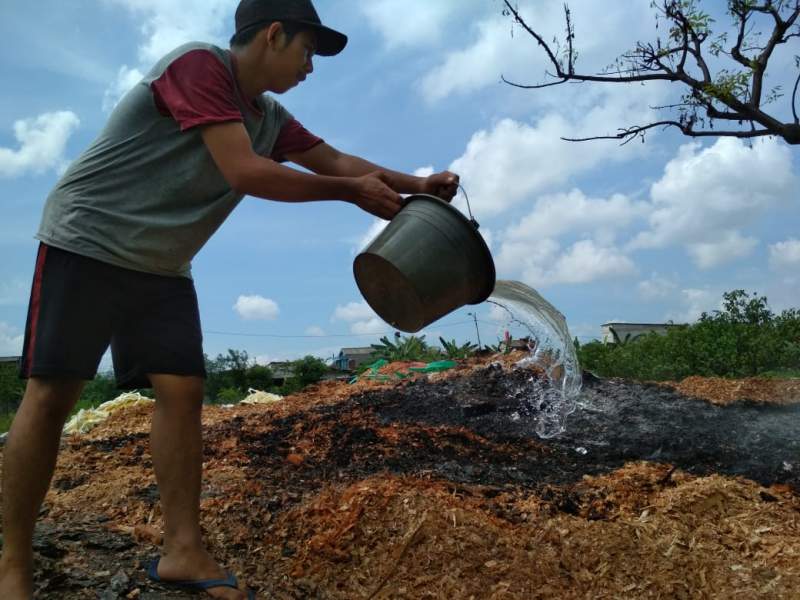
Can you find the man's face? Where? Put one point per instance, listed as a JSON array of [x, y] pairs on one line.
[[293, 62]]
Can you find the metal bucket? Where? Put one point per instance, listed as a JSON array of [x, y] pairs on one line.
[[427, 262]]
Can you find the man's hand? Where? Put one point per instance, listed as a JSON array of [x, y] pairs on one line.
[[444, 185], [373, 194]]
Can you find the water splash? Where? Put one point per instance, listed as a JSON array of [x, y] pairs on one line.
[[547, 401]]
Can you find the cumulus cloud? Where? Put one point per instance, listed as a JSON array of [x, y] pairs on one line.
[[708, 195], [557, 214], [785, 255], [656, 287], [544, 264], [471, 68], [409, 22], [126, 79], [10, 340], [165, 25], [514, 161], [315, 330], [256, 308], [360, 317], [694, 303], [498, 49], [42, 142], [720, 249], [532, 248]]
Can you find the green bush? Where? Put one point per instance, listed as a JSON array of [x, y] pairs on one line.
[[743, 339], [229, 396], [11, 388]]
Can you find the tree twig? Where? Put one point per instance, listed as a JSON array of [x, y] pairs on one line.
[[648, 63]]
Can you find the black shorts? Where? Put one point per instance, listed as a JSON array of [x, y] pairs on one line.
[[79, 306]]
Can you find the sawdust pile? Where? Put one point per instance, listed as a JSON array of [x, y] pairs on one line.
[[726, 391], [297, 520]]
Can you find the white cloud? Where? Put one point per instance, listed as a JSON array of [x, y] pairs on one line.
[[165, 25], [557, 214], [531, 249], [542, 264], [785, 255], [409, 22], [256, 308], [126, 79], [586, 261], [656, 287], [472, 68], [695, 302], [721, 249], [10, 340], [375, 326], [42, 141], [353, 311], [315, 330], [514, 161], [502, 49], [360, 317], [169, 23], [708, 195]]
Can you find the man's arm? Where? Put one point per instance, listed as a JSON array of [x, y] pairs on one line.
[[327, 160], [251, 174]]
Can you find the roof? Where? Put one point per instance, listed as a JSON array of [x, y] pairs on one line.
[[351, 351], [10, 359], [641, 324]]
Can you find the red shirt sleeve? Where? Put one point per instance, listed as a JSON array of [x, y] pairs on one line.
[[197, 89], [293, 137]]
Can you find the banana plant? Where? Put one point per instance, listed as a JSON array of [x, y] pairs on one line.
[[453, 350]]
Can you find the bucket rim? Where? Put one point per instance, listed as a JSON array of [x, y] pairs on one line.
[[487, 254]]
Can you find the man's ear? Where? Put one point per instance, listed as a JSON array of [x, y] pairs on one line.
[[274, 35]]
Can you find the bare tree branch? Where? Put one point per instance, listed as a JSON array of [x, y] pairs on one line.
[[729, 96], [630, 133]]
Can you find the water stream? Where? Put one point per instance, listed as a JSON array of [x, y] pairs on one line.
[[547, 401]]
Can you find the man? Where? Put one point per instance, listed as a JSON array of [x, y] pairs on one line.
[[117, 238]]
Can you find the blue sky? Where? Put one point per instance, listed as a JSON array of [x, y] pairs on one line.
[[645, 232]]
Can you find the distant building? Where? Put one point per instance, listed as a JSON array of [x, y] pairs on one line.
[[281, 371], [350, 359], [510, 344], [631, 331], [14, 360]]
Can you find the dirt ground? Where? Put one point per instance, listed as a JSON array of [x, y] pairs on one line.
[[433, 487]]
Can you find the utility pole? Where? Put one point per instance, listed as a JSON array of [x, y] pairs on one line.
[[475, 318]]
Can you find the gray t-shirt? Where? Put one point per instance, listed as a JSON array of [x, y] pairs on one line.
[[147, 195]]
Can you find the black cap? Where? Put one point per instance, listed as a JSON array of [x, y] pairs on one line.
[[254, 13]]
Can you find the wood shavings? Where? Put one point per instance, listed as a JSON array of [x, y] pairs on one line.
[[286, 507]]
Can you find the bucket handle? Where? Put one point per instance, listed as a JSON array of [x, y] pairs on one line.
[[471, 218]]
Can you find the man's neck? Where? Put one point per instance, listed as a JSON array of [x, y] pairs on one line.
[[246, 71]]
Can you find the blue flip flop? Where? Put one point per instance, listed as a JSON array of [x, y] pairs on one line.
[[198, 584]]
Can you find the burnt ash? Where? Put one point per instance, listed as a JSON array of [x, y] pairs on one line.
[[468, 431]]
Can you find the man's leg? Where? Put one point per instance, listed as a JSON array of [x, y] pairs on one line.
[[177, 448], [29, 459]]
